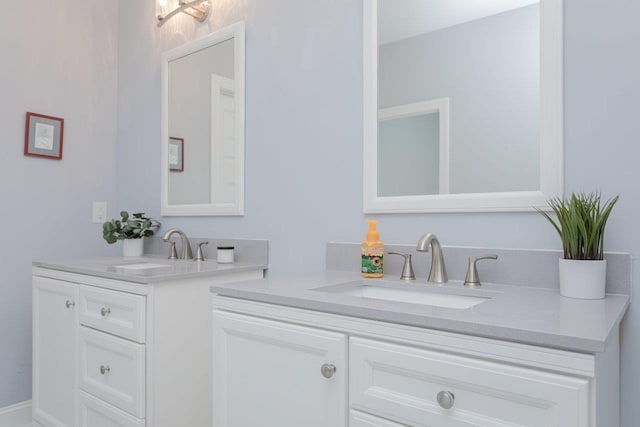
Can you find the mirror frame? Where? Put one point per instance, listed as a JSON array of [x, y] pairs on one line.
[[551, 130], [237, 32]]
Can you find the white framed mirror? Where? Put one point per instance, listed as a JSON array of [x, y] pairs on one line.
[[202, 149], [494, 70]]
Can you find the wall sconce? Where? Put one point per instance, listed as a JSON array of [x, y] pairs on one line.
[[199, 9]]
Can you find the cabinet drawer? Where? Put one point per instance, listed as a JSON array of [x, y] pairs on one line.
[[118, 313], [402, 383], [359, 419], [96, 413], [113, 369]]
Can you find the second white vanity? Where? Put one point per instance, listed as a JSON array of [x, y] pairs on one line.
[[126, 342], [308, 351]]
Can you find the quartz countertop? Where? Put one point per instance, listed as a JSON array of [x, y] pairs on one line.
[[161, 268], [531, 315]]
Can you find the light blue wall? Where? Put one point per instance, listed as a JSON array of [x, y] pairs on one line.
[[304, 135], [58, 58]]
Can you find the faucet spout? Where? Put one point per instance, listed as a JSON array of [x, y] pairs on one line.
[[438, 272], [185, 253]]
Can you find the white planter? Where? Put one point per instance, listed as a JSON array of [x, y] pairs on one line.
[[582, 279], [132, 247]]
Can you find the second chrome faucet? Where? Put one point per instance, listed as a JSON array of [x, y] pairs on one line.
[[185, 253], [438, 272]]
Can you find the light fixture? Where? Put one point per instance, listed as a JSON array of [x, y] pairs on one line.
[[199, 9]]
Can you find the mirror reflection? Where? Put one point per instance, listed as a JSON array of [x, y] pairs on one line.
[[201, 113], [203, 126], [479, 63]]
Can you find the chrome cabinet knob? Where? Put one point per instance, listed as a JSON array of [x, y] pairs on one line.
[[69, 303], [445, 399], [104, 369], [328, 370], [105, 311]]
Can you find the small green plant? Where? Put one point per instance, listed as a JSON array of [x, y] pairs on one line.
[[135, 226], [581, 222]]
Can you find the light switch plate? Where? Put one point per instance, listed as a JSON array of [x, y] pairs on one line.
[[99, 212]]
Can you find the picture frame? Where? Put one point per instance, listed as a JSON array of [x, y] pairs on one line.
[[176, 154], [43, 136]]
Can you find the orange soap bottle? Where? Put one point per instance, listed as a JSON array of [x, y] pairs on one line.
[[372, 252]]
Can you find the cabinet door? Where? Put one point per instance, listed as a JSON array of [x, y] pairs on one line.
[[55, 326], [269, 373]]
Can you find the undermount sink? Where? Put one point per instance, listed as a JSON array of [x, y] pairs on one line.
[[140, 266], [400, 292]]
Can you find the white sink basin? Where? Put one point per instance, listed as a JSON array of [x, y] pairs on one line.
[[389, 291], [140, 266]]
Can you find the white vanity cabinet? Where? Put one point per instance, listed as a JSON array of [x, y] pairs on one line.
[[397, 375], [113, 353]]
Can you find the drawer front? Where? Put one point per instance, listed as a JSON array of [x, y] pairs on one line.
[[118, 313], [96, 413], [360, 419], [402, 383], [113, 369]]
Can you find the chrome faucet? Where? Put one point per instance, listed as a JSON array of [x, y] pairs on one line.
[[185, 253], [438, 272]]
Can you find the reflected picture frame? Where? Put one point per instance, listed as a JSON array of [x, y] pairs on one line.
[[176, 154], [43, 136]]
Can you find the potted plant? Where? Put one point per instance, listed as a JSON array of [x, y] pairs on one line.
[[131, 229], [581, 221]]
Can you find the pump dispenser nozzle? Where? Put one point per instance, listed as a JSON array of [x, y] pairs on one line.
[[373, 233]]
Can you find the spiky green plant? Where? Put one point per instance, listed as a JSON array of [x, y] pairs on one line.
[[135, 226], [580, 223]]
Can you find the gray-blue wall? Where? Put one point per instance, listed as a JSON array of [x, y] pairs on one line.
[[60, 59]]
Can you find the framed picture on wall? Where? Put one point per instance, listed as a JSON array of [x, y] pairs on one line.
[[43, 136], [176, 154]]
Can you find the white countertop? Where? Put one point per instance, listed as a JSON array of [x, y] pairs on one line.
[[164, 269], [516, 313]]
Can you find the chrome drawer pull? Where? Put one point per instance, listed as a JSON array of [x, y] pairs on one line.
[[69, 303], [105, 369], [445, 399], [105, 311], [328, 370]]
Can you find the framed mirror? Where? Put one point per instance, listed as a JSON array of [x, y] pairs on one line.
[[462, 104], [203, 126]]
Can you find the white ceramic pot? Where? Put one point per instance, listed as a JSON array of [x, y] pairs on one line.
[[132, 247], [582, 278]]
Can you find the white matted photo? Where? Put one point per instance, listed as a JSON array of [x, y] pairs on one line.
[[43, 136]]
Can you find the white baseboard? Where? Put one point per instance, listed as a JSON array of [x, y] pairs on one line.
[[18, 415]]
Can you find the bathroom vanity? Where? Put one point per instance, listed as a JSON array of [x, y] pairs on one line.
[[125, 342], [332, 349]]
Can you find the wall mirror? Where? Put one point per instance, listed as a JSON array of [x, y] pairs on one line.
[[203, 126], [462, 105]]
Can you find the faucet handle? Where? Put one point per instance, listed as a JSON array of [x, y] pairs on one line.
[[407, 270], [199, 254], [173, 254], [472, 279]]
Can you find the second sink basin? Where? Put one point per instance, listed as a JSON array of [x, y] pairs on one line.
[[400, 292]]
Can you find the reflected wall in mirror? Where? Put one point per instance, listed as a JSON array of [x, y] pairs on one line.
[[203, 109], [497, 145]]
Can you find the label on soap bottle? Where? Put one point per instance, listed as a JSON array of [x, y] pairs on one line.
[[372, 260]]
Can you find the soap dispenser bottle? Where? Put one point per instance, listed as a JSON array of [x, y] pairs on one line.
[[372, 252]]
